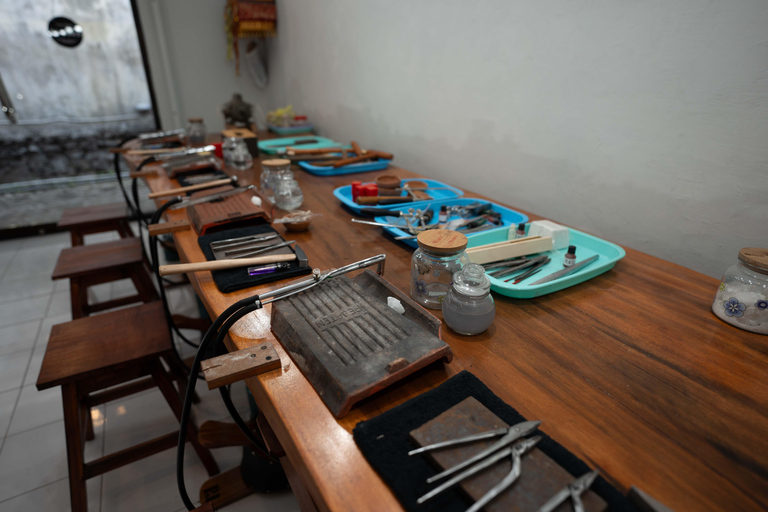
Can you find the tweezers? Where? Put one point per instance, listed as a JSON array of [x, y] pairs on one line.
[[248, 252], [574, 490], [535, 269], [242, 240], [529, 263], [516, 451]]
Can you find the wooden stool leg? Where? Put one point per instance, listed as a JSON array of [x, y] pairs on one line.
[[78, 297], [166, 388], [124, 229], [73, 430], [76, 236], [143, 284], [86, 413]]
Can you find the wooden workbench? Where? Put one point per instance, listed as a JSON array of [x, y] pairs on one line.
[[630, 371]]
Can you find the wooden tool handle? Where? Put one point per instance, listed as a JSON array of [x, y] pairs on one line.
[[183, 190], [359, 158], [183, 268], [356, 148], [383, 199]]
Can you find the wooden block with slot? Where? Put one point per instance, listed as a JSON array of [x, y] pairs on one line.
[[540, 478], [235, 366], [144, 173], [168, 227], [509, 249]]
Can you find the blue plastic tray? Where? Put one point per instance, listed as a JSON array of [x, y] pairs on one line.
[[344, 194], [508, 217], [586, 246], [271, 146], [291, 130], [327, 170]]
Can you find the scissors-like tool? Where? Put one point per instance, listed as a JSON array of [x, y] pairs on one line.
[[574, 490], [510, 435], [516, 451]]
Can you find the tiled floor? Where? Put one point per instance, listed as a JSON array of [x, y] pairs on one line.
[[33, 462]]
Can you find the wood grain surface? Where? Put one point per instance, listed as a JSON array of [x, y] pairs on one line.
[[630, 371]]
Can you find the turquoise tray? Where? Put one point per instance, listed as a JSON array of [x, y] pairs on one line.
[[327, 170], [291, 130], [271, 146], [344, 194], [586, 246], [508, 217]]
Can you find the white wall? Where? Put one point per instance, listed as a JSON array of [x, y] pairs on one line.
[[642, 122]]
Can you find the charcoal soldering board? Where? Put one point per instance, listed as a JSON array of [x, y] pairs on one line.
[[349, 344]]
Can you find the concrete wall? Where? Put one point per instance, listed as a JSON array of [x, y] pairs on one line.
[[102, 78], [644, 123]]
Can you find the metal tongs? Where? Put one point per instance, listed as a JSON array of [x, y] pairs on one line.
[[574, 490]]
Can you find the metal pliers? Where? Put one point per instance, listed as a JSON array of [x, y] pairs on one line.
[[574, 490]]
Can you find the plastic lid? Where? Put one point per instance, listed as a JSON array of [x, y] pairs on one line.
[[755, 257], [471, 281], [442, 241], [276, 162]]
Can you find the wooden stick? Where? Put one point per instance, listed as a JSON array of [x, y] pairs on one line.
[[183, 268], [357, 149], [183, 190], [370, 155], [509, 249]]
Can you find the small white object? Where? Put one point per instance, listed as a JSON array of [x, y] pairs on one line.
[[256, 200], [395, 304], [559, 234]]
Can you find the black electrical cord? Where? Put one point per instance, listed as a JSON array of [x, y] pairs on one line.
[[215, 334], [145, 162], [155, 262]]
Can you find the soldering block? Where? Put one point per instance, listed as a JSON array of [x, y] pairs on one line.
[[560, 234]]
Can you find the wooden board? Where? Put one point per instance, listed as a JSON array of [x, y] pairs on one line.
[[235, 366], [230, 212], [350, 344], [540, 479]]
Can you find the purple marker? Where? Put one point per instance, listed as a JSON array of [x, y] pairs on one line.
[[267, 269]]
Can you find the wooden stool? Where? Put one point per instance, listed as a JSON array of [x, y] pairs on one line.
[[89, 265], [99, 352], [99, 218]]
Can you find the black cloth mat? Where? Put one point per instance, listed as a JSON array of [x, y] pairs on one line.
[[234, 279], [182, 177], [384, 443]]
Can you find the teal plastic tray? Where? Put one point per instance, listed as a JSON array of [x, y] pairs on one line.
[[327, 170], [271, 146], [586, 246], [509, 217], [344, 194], [291, 130]]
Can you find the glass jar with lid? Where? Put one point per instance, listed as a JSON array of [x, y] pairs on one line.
[[240, 157], [196, 132], [227, 145], [468, 308], [440, 254], [288, 194], [742, 297], [269, 170]]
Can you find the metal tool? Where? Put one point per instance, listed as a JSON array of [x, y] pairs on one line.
[[574, 490], [525, 276], [184, 152], [516, 452], [242, 240], [182, 268], [268, 269], [203, 178], [371, 223], [566, 271], [513, 433], [186, 202], [535, 269], [148, 137], [251, 251], [502, 271]]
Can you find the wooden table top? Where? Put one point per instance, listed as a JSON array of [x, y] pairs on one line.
[[630, 371]]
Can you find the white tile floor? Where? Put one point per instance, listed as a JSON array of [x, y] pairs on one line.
[[33, 463]]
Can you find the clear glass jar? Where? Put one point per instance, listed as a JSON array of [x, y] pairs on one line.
[[269, 170], [468, 308], [196, 132], [241, 158], [227, 145], [440, 254], [742, 297], [288, 194]]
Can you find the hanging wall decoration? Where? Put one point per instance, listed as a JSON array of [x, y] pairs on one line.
[[248, 18]]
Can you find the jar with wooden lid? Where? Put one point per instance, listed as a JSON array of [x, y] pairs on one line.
[[440, 254], [270, 169], [742, 297], [196, 132]]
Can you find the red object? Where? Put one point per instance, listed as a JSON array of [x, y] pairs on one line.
[[300, 118], [218, 151], [358, 189], [355, 190]]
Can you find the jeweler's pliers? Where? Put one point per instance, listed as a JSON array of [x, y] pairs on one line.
[[574, 490]]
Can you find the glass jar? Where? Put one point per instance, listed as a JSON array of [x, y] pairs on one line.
[[270, 169], [196, 132], [468, 307], [742, 297], [227, 145], [288, 195], [239, 155], [440, 254]]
